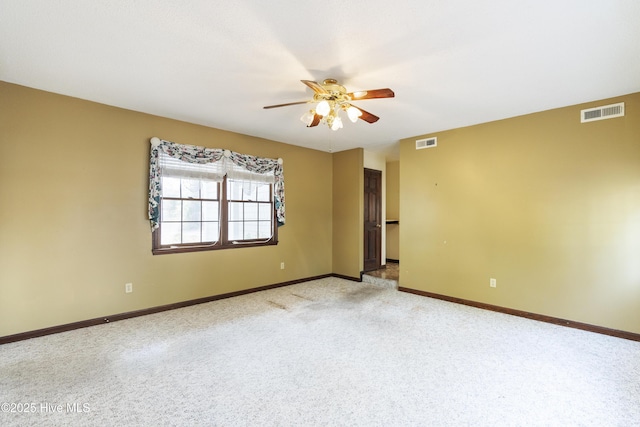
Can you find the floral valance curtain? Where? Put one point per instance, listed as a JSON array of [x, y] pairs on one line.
[[188, 157]]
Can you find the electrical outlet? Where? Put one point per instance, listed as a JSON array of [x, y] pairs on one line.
[[492, 282], [128, 287], [282, 266]]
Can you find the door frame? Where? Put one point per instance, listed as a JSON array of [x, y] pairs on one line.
[[373, 221]]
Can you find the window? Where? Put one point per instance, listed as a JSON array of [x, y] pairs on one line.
[[250, 211], [205, 199], [190, 212]]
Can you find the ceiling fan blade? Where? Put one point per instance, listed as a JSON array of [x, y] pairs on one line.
[[284, 105], [317, 88], [367, 116], [371, 94], [315, 121]]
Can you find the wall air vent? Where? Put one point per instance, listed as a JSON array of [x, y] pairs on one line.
[[601, 113], [426, 143]]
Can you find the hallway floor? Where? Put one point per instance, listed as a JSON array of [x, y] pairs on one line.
[[388, 277], [391, 272]]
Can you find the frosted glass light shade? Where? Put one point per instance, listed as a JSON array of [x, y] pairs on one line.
[[353, 113], [337, 123], [307, 117], [323, 108]]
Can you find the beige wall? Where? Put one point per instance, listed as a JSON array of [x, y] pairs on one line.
[[73, 219], [546, 205], [348, 212], [393, 209]]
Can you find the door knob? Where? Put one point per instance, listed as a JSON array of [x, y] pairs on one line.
[[378, 225]]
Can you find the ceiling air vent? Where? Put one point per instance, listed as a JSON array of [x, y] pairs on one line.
[[601, 113], [426, 143]]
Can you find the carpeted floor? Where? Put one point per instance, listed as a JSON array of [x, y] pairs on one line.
[[326, 352]]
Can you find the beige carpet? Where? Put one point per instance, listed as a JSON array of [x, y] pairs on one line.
[[327, 352]]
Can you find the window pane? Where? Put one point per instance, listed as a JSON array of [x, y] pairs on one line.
[[190, 188], [263, 193], [210, 231], [235, 190], [250, 211], [210, 211], [209, 189], [235, 211], [191, 210], [235, 231], [171, 210], [170, 187], [264, 230], [170, 233], [248, 191], [251, 230], [265, 211], [190, 232]]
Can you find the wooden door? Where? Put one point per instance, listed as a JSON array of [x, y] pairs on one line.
[[372, 219]]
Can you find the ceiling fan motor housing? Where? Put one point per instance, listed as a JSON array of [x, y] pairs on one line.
[[335, 92]]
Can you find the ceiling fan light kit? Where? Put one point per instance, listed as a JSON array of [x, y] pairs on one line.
[[331, 98]]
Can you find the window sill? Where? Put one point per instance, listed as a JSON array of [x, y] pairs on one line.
[[184, 249]]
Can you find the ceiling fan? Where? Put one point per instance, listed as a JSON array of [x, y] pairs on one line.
[[331, 98]]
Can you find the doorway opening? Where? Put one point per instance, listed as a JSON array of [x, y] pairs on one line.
[[372, 220]]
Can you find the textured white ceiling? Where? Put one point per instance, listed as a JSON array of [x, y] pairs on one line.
[[217, 63]]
